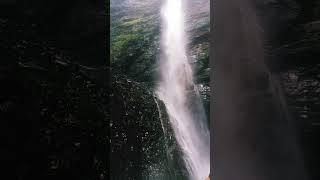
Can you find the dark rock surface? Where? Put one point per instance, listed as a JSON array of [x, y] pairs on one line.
[[79, 26], [54, 112], [300, 72], [291, 33], [142, 143]]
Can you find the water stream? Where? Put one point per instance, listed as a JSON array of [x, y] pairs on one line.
[[179, 94]]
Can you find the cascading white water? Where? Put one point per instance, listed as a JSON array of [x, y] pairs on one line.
[[179, 94]]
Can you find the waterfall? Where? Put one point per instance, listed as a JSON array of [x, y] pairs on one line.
[[179, 94]]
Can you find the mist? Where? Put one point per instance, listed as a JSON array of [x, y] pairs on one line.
[[253, 137]]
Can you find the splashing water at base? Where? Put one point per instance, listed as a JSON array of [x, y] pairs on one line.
[[179, 94]]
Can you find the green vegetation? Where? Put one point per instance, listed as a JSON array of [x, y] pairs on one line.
[[134, 44]]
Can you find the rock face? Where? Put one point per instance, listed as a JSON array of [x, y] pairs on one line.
[[292, 49], [142, 144], [300, 71], [252, 134], [76, 25], [54, 112]]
